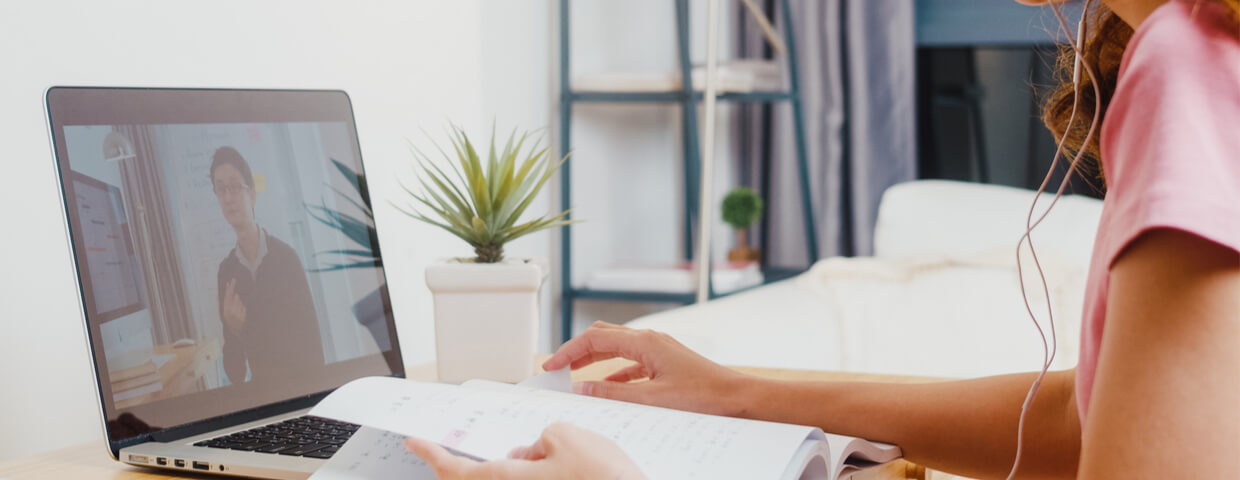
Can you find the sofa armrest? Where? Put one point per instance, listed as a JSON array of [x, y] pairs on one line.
[[958, 220]]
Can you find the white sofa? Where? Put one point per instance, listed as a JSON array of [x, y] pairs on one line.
[[940, 297]]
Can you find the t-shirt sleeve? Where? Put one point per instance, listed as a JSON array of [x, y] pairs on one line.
[[1171, 142]]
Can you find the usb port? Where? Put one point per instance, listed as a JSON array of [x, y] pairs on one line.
[[202, 466], [179, 463], [139, 458], [161, 461]]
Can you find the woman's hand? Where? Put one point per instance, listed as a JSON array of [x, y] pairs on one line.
[[678, 377], [563, 452]]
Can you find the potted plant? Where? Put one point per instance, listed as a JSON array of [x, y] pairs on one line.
[[371, 310], [486, 306], [742, 207]]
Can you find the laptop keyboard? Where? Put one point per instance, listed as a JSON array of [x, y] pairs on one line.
[[306, 436]]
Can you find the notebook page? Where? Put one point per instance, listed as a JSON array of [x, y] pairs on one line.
[[811, 462], [373, 454], [487, 421]]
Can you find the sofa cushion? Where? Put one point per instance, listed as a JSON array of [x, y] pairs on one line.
[[941, 218]]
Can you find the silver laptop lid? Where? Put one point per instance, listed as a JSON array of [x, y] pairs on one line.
[[225, 250]]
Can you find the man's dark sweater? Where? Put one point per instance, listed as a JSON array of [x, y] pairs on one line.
[[281, 333]]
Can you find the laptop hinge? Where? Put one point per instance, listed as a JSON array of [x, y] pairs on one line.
[[197, 428]]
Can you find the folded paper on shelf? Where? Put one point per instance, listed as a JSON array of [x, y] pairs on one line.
[[725, 277]]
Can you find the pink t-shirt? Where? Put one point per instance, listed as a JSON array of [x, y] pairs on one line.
[[1170, 149]]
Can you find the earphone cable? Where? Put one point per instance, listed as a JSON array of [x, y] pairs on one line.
[[1050, 348]]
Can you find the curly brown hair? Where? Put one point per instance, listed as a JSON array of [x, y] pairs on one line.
[[1106, 38]]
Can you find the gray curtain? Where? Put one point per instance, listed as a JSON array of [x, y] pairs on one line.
[[857, 63], [153, 238]]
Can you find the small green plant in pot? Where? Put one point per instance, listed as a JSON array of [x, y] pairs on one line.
[[486, 307], [742, 207]]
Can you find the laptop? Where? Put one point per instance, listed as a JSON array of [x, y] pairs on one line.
[[228, 270]]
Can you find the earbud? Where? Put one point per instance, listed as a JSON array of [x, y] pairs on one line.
[[1076, 50]]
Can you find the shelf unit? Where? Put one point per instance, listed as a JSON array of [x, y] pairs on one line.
[[688, 99]]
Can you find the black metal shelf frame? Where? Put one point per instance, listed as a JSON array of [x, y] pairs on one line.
[[687, 98]]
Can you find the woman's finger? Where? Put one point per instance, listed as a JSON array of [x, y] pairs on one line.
[[443, 462], [628, 374], [451, 467], [625, 392], [558, 433], [519, 453], [597, 344], [591, 358], [536, 451]]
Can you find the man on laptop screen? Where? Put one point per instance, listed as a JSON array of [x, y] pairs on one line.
[[262, 279]]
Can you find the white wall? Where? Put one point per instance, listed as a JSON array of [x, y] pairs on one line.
[[406, 64], [518, 92]]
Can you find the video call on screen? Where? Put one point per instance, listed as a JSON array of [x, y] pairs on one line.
[[223, 254]]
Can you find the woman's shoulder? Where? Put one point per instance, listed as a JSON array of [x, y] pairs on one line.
[[1195, 39], [1177, 101], [1169, 137]]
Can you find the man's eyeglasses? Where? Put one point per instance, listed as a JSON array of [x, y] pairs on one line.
[[222, 190]]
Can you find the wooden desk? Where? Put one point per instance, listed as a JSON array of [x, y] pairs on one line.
[[91, 460]]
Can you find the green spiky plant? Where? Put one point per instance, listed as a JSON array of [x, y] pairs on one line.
[[482, 201]]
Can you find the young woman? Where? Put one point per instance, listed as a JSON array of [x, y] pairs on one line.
[[1156, 392]]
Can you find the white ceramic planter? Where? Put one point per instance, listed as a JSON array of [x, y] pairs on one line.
[[486, 318]]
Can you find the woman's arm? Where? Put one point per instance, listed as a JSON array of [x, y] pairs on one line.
[[966, 427], [1166, 397]]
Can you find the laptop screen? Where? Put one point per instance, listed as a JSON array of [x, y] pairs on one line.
[[225, 249]]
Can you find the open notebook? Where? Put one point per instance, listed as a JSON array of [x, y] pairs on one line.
[[485, 420]]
